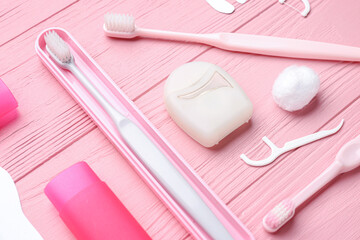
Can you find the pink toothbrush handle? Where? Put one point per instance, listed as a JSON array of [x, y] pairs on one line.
[[329, 174], [264, 45], [287, 47]]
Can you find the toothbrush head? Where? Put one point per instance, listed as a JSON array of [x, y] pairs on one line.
[[279, 215], [119, 25], [58, 49], [349, 155]]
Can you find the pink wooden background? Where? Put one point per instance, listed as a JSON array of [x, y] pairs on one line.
[[53, 132]]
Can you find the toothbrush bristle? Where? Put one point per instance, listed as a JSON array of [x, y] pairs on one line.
[[119, 23], [279, 215], [58, 46]]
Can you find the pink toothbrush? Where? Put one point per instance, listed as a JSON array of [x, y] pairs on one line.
[[123, 26], [346, 160]]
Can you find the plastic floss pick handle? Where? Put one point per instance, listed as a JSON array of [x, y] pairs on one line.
[[304, 12], [276, 151], [221, 6]]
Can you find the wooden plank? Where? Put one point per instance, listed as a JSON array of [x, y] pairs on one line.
[[52, 113], [19, 16], [220, 167]]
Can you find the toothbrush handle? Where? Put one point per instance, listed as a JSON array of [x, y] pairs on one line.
[[113, 113], [329, 174], [172, 180], [264, 45], [287, 47]]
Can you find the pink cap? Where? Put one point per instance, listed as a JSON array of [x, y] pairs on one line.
[[8, 104], [89, 208], [70, 182]]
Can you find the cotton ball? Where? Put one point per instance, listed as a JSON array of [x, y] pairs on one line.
[[295, 87]]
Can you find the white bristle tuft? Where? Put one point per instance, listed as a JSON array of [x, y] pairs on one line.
[[279, 215], [58, 47], [282, 213], [119, 23]]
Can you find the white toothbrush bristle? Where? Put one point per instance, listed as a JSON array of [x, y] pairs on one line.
[[58, 47], [119, 23], [279, 215]]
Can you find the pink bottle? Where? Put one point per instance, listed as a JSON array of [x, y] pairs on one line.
[[8, 105], [89, 208]]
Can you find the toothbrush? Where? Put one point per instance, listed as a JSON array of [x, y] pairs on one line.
[[123, 26], [13, 222], [147, 152], [346, 160]]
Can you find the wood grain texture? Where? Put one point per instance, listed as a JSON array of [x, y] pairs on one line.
[[92, 27], [17, 17], [52, 132]]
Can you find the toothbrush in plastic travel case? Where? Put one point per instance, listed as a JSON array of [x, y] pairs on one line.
[[143, 147], [199, 211]]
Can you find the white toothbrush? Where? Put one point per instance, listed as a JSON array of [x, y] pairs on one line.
[[13, 223], [347, 159], [123, 26], [153, 159]]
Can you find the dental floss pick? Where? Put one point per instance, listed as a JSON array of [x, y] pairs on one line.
[[221, 6], [241, 1], [276, 151], [225, 7], [306, 10]]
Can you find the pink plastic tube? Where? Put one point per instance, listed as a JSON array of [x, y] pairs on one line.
[[89, 208], [8, 104]]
